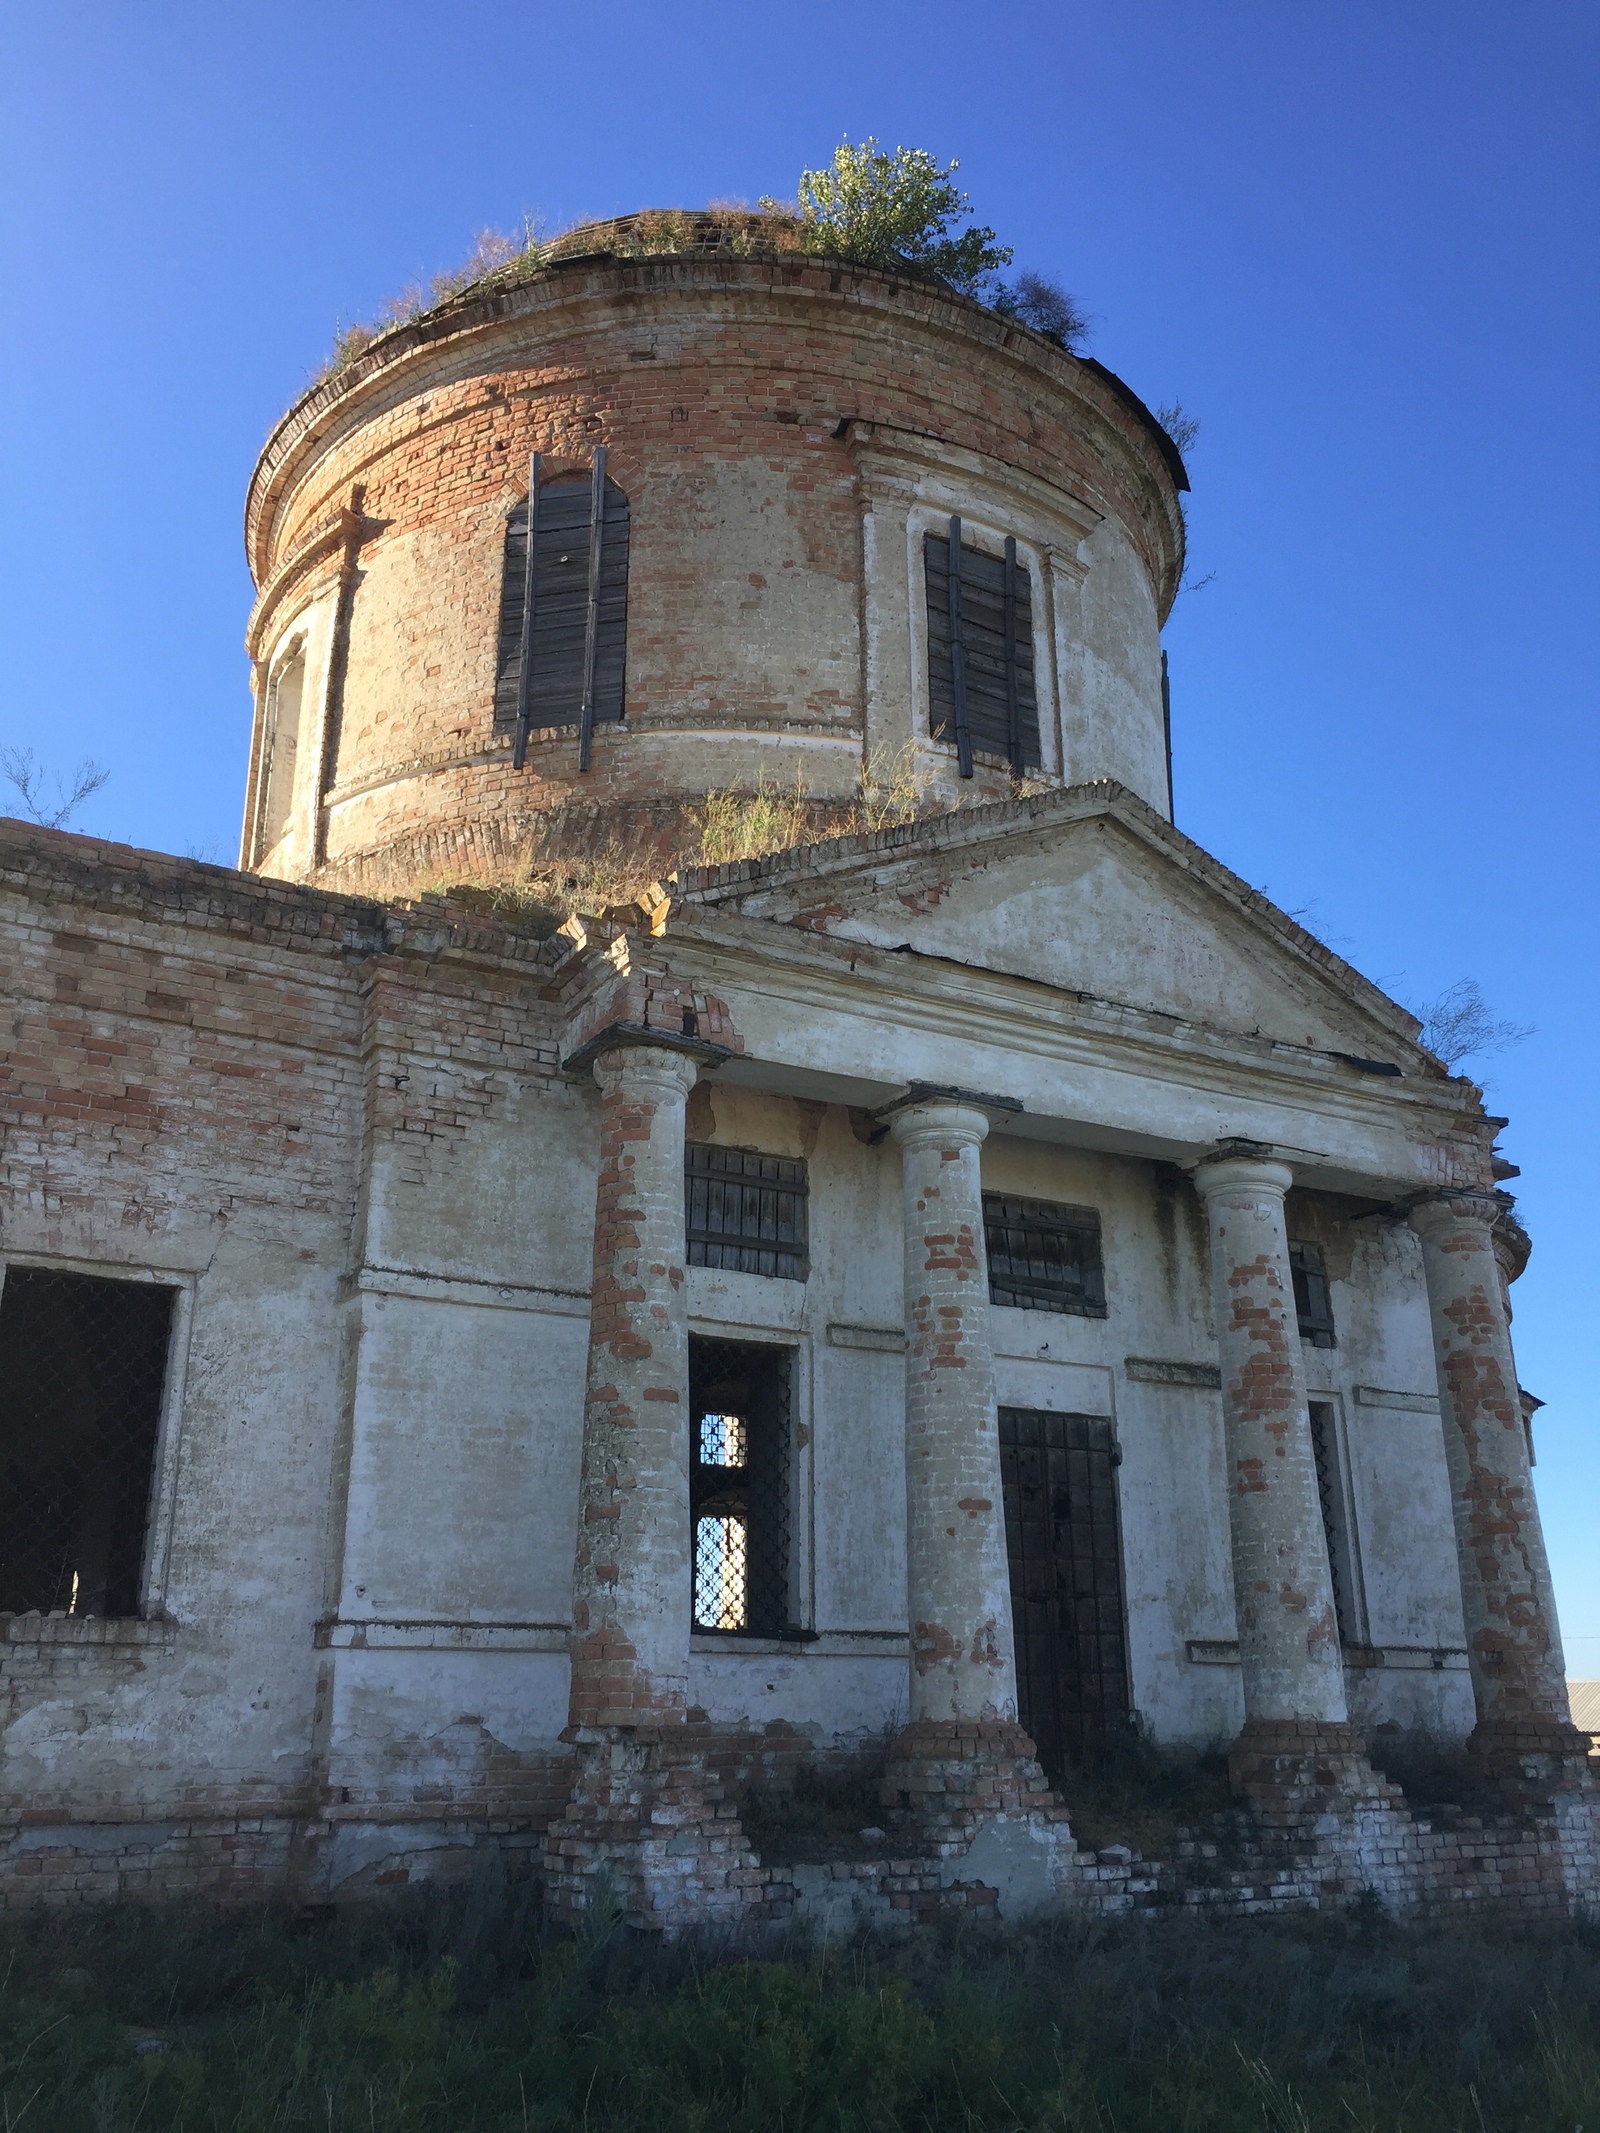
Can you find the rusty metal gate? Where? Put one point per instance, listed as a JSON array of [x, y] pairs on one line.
[[1059, 1474]]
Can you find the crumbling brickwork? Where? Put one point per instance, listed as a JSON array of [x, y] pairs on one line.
[[724, 393]]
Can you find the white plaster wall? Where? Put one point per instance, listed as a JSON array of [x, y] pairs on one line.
[[509, 1200], [218, 1704], [1108, 656], [464, 1463]]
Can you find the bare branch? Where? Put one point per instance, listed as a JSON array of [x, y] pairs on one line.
[[1460, 1023], [22, 769]]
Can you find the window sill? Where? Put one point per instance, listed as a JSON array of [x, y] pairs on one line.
[[86, 1630]]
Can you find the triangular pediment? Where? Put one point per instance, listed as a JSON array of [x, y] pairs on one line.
[[1088, 891]]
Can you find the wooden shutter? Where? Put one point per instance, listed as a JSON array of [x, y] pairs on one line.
[[984, 665], [562, 607]]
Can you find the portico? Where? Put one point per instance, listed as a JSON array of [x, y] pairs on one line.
[[1020, 1078]]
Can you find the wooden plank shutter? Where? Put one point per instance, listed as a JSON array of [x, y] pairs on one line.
[[561, 657], [980, 652]]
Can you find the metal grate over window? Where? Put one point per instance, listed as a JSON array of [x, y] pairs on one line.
[[1059, 1476], [82, 1366], [1044, 1257], [740, 1398], [746, 1212], [1313, 1304]]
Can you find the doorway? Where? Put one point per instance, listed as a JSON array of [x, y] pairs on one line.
[[1059, 1474]]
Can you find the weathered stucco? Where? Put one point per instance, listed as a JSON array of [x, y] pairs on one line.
[[418, 1540], [785, 434]]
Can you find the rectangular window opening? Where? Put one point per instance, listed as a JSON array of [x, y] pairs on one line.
[[746, 1212], [740, 1395], [579, 622], [980, 652], [1313, 1304], [1044, 1257], [83, 1365], [1336, 1524]]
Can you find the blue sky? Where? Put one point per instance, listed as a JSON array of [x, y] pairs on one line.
[[1358, 241]]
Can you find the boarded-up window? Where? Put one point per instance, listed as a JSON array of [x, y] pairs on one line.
[[284, 704], [578, 628], [746, 1212], [82, 1367], [1043, 1256], [1313, 1303], [740, 1400], [980, 652]]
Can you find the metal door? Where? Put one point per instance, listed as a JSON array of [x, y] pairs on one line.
[[1059, 1474]]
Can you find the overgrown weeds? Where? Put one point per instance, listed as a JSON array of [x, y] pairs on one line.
[[539, 890], [419, 2018], [1134, 1792]]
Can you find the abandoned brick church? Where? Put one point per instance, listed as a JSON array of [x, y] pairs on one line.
[[922, 1302]]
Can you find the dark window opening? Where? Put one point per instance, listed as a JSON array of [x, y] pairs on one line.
[[1313, 1305], [82, 1366], [1059, 1476], [1043, 1257], [1335, 1519], [980, 652], [740, 1397], [573, 640], [746, 1212]]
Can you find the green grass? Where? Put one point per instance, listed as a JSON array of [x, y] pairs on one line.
[[454, 2013]]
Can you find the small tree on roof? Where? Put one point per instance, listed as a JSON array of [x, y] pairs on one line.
[[889, 210]]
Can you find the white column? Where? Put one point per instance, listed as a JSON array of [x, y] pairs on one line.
[[963, 1663], [1513, 1642], [632, 1581], [1283, 1590]]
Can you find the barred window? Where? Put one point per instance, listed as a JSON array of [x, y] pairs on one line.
[[83, 1364], [746, 1212], [740, 1397], [1044, 1257], [564, 621], [980, 651], [1313, 1303]]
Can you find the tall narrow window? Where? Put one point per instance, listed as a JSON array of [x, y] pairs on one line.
[[739, 1419], [1043, 1256], [1337, 1524], [746, 1212], [564, 610], [82, 1367], [1313, 1304], [285, 701], [980, 651]]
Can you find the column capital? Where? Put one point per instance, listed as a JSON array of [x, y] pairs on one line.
[[1241, 1168], [937, 1119], [651, 1068], [1447, 1210]]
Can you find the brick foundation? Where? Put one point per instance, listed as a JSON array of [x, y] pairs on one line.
[[649, 1820]]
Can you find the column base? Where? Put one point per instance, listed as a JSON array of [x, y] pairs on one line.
[[1532, 1758], [1296, 1771], [648, 1833], [948, 1779]]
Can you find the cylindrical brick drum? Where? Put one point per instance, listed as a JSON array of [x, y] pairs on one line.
[[755, 586]]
